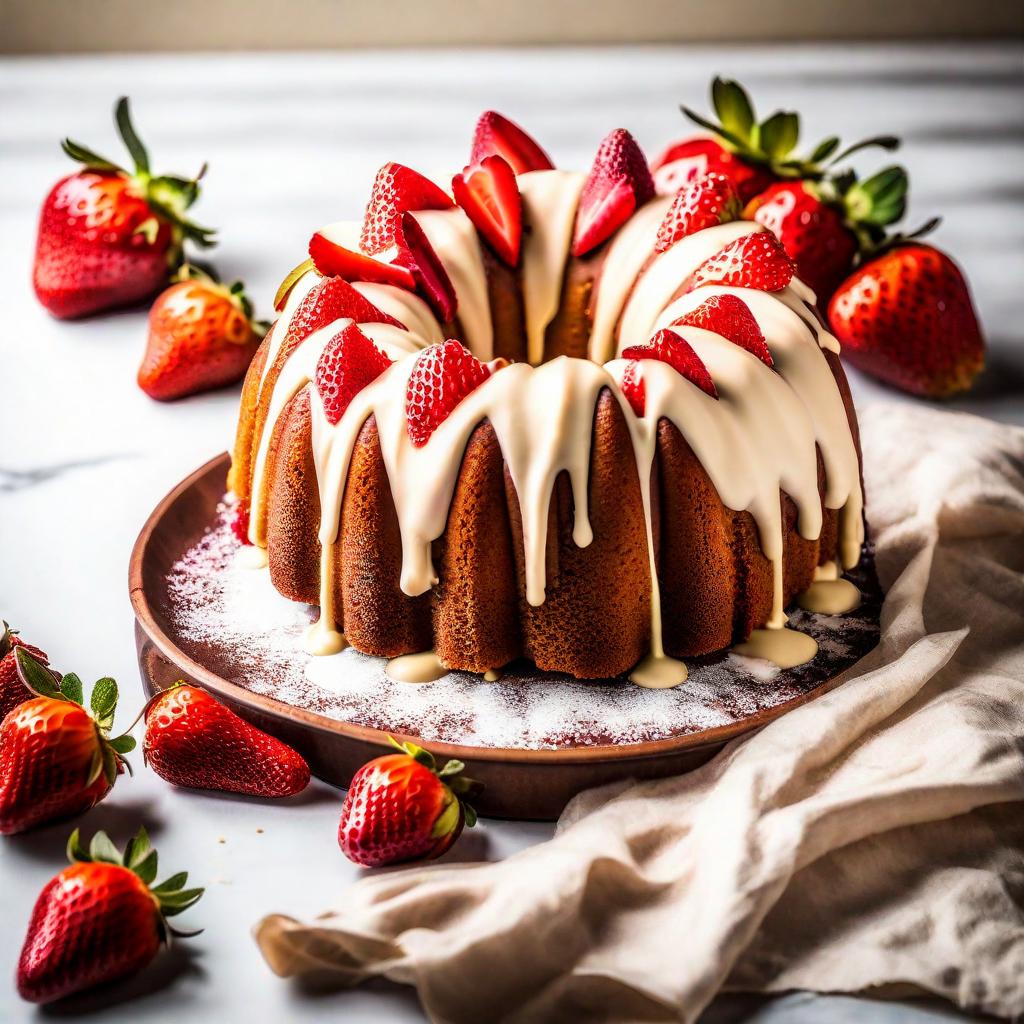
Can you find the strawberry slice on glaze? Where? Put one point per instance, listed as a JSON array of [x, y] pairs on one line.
[[397, 189], [619, 182], [729, 316], [667, 347], [417, 255], [496, 135], [490, 197], [703, 203], [349, 362], [756, 261], [441, 378], [334, 260]]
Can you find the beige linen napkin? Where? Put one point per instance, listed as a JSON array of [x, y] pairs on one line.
[[872, 838]]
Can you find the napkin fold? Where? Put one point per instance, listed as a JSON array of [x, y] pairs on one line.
[[871, 839]]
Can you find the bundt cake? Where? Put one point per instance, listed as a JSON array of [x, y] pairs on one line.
[[551, 416]]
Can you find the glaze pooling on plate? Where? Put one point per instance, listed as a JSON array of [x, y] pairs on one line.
[[218, 605]]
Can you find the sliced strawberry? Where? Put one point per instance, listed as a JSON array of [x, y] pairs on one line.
[[441, 378], [397, 190], [349, 362], [753, 261], [498, 136], [334, 260], [703, 203], [328, 300], [668, 347], [618, 183], [729, 316], [432, 281], [490, 196]]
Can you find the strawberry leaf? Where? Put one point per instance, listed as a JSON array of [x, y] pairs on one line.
[[83, 155], [77, 853], [451, 768], [825, 149], [469, 813], [5, 640], [717, 129], [173, 904], [36, 676], [137, 848], [779, 134], [103, 849], [103, 701], [131, 139], [71, 688], [171, 885], [146, 868], [732, 105], [123, 744]]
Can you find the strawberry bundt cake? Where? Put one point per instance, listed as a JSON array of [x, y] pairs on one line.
[[553, 416]]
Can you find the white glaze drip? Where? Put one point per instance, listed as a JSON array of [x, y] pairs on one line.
[[453, 237], [408, 309], [630, 250], [550, 199], [420, 668]]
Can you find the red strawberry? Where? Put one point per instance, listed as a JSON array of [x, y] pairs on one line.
[[824, 225], [730, 317], [401, 807], [432, 280], [57, 759], [12, 690], [108, 238], [668, 347], [906, 317], [687, 159], [195, 741], [333, 260], [619, 182], [328, 300], [441, 377], [201, 336], [496, 135], [349, 362], [753, 261], [706, 201], [100, 919], [397, 190], [751, 155], [490, 196]]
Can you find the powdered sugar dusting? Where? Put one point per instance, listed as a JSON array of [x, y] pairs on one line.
[[219, 603]]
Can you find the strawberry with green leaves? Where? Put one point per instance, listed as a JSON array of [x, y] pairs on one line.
[[57, 758], [402, 807], [109, 237], [751, 154], [825, 225], [99, 920], [202, 336]]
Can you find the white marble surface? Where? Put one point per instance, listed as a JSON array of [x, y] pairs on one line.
[[293, 141]]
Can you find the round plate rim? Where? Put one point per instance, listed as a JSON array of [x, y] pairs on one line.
[[273, 708]]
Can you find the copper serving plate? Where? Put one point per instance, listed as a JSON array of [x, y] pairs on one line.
[[518, 783]]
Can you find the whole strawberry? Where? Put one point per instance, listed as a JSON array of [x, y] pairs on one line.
[[56, 758], [401, 807], [195, 741], [906, 317], [825, 225], [201, 336], [100, 919], [109, 237], [12, 690]]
